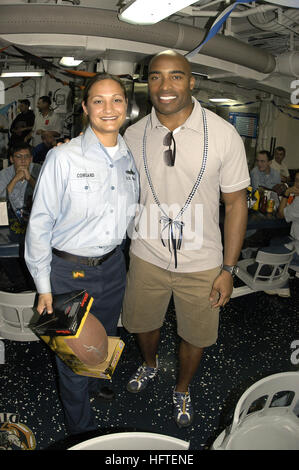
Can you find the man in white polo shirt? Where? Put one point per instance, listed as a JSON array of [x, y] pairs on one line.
[[278, 164], [185, 157], [45, 120]]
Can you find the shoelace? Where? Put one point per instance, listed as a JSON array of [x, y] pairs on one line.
[[184, 407], [139, 376]]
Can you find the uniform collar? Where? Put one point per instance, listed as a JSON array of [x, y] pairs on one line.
[[194, 121], [51, 111], [89, 139]]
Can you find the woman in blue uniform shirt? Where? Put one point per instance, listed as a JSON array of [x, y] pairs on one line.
[[84, 200]]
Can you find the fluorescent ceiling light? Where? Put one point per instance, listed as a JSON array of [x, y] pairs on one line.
[[69, 62], [151, 11], [219, 100], [201, 74], [24, 73]]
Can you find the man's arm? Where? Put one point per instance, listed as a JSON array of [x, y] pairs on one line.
[[19, 176], [284, 200], [235, 223], [285, 179], [28, 136]]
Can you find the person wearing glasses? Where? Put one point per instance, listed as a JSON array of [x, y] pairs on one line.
[[84, 200], [185, 155], [17, 183]]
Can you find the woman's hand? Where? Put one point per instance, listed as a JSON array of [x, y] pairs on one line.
[[45, 303]]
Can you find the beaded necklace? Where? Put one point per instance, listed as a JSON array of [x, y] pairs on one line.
[[174, 226]]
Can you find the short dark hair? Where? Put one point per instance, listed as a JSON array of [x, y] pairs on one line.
[[20, 146], [26, 102], [280, 149], [103, 76], [266, 152], [46, 99]]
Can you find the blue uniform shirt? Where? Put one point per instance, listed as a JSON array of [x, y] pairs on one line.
[[261, 178], [83, 203]]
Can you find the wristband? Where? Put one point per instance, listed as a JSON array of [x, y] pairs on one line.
[[284, 195]]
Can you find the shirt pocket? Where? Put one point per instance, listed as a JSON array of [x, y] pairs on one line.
[[85, 197], [96, 199], [78, 197]]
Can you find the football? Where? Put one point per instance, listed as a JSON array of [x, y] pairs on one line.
[[91, 346]]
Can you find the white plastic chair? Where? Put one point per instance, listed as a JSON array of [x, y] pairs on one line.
[[295, 267], [277, 265], [16, 312], [132, 441], [273, 427]]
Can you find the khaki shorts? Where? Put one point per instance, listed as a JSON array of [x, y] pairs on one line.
[[148, 292]]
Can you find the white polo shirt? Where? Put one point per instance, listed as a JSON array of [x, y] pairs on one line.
[[226, 171], [50, 122], [281, 168]]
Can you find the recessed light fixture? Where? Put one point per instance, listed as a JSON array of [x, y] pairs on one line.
[[150, 11], [200, 74], [69, 62], [24, 73]]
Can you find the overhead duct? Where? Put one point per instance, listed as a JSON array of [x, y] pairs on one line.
[[95, 22], [288, 64], [282, 23]]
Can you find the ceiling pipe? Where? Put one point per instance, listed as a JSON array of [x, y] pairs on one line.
[[281, 24], [104, 23], [192, 11], [288, 62]]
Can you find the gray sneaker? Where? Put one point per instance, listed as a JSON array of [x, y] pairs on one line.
[[183, 410], [138, 382]]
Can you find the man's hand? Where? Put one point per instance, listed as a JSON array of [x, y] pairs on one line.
[[20, 174], [23, 173], [45, 302], [292, 190], [221, 290], [26, 173], [279, 188]]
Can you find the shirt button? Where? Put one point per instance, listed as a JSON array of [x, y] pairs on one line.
[[111, 210], [85, 187], [112, 187], [111, 166], [107, 233]]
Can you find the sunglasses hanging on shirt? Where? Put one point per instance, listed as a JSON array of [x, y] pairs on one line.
[[169, 155]]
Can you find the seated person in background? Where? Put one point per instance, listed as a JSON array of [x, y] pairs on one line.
[[291, 213], [277, 164], [49, 140], [263, 176], [22, 125], [17, 183]]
